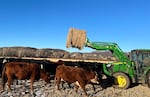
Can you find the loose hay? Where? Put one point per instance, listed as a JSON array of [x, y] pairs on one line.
[[76, 38]]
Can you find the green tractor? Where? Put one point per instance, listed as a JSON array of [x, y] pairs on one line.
[[134, 68]]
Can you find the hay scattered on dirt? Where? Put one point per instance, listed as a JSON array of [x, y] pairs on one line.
[[50, 90], [76, 38]]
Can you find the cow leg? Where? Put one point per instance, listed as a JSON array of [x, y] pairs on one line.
[[77, 87], [9, 83], [4, 82], [93, 87], [82, 85], [69, 85], [31, 85], [58, 83], [62, 84]]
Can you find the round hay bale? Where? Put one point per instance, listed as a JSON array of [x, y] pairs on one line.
[[76, 38]]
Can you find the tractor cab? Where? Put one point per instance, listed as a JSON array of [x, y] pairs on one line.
[[141, 59]]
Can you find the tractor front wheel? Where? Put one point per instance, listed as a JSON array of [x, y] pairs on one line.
[[121, 80]]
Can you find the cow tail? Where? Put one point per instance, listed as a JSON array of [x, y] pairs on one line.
[[3, 76]]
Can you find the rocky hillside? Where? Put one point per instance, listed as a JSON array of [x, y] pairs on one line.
[[52, 53]]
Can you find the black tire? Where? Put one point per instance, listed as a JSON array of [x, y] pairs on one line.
[[148, 79], [121, 80]]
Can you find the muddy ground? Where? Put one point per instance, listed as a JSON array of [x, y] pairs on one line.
[[49, 90]]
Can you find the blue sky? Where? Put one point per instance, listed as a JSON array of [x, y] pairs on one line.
[[45, 23]]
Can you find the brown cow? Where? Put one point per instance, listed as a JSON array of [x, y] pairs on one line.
[[76, 75], [22, 71]]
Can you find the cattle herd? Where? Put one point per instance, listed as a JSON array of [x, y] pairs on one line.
[[75, 75]]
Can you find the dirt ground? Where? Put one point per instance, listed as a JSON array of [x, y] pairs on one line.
[[49, 90]]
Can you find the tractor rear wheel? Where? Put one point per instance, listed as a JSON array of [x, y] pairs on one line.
[[121, 80]]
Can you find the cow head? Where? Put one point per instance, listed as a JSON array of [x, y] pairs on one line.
[[95, 78]]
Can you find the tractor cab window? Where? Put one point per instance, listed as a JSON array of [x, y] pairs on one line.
[[141, 59]]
